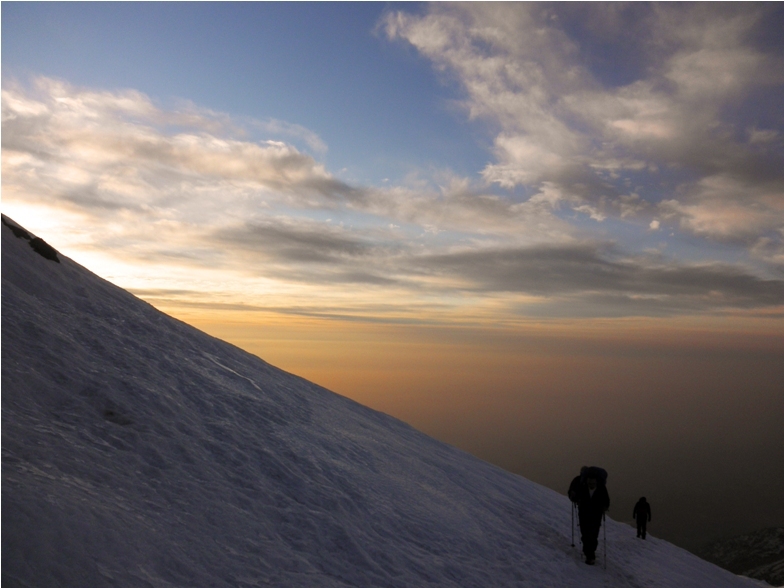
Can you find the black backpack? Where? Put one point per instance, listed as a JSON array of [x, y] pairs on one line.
[[594, 472]]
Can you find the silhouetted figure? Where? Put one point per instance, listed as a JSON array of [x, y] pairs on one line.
[[642, 512], [589, 492]]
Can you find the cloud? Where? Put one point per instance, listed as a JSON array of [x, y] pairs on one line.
[[304, 250], [545, 78], [596, 273], [187, 190], [306, 242], [734, 211], [105, 150], [279, 127]]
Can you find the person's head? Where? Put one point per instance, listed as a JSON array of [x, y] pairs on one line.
[[591, 482], [643, 499]]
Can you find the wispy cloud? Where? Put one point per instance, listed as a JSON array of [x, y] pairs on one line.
[[119, 150], [621, 110], [187, 190], [279, 127], [604, 276]]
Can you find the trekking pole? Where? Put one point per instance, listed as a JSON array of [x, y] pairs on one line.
[[604, 524]]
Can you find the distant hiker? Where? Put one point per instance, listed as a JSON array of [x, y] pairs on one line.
[[642, 512], [589, 492]]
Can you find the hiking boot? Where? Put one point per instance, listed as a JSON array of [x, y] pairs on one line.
[[590, 560]]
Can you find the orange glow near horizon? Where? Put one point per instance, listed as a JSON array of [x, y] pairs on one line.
[[433, 375]]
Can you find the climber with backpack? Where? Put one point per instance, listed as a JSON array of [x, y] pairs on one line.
[[588, 492]]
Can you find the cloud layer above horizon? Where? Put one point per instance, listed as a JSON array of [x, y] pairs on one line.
[[635, 169]]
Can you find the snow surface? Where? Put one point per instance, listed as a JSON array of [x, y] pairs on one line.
[[758, 555], [138, 451]]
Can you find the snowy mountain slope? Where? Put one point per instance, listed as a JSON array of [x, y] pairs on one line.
[[758, 555], [138, 451]]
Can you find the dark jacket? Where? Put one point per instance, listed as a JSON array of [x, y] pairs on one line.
[[591, 507], [642, 510], [582, 480]]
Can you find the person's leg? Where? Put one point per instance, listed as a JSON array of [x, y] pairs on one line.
[[590, 537], [644, 525], [584, 536], [640, 525], [589, 549]]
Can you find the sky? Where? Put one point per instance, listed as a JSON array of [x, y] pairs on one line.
[[515, 226]]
